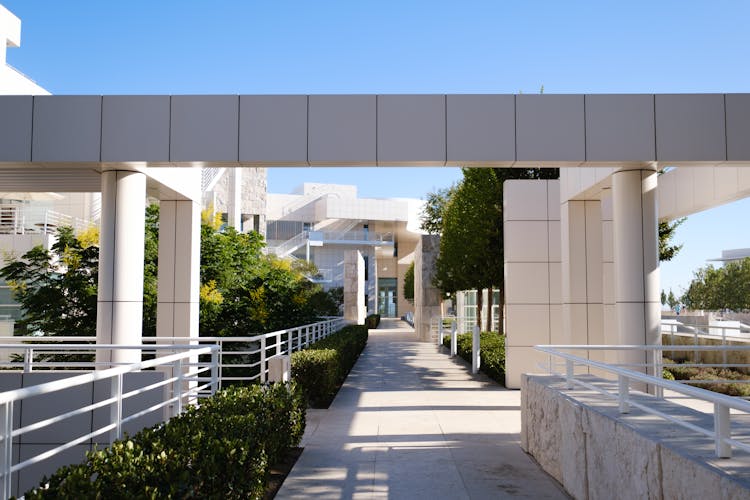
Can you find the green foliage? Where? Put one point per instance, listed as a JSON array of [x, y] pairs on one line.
[[431, 218], [56, 288], [666, 233], [316, 370], [726, 287], [491, 353], [471, 247], [372, 321], [243, 291], [324, 365], [677, 372], [221, 449], [409, 283]]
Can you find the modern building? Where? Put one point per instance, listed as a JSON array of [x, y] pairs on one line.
[[733, 255], [318, 223]]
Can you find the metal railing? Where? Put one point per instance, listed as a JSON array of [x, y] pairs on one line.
[[240, 359], [246, 359], [626, 374], [22, 219], [186, 379]]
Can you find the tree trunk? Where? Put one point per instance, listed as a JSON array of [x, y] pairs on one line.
[[489, 308], [479, 308]]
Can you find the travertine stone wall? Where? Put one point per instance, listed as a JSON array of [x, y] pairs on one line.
[[426, 295], [355, 308], [254, 190], [582, 441]]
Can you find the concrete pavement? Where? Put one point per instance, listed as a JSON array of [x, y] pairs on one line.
[[412, 423]]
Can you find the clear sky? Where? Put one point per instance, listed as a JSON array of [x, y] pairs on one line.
[[311, 47]]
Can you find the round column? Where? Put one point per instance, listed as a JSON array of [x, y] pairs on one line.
[[121, 247], [636, 259]]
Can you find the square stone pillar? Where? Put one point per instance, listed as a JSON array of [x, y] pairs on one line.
[[355, 308], [427, 297], [179, 269]]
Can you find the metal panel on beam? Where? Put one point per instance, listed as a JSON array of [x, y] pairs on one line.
[[135, 128], [620, 127], [738, 127], [15, 128], [273, 129], [411, 129], [481, 129], [66, 128], [550, 128], [690, 127], [204, 128], [342, 130]]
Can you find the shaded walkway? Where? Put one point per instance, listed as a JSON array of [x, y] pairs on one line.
[[412, 423]]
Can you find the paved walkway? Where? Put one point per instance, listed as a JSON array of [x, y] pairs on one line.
[[412, 423]]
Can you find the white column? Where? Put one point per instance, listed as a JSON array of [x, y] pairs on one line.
[[636, 259], [581, 255], [120, 295], [179, 269], [234, 203]]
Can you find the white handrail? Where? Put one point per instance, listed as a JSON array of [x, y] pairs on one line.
[[186, 386], [722, 403]]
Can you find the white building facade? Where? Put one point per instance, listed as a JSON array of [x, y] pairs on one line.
[[319, 223]]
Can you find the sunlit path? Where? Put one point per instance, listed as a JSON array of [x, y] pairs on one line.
[[412, 423]]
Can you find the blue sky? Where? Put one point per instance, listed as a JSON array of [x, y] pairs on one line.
[[187, 46]]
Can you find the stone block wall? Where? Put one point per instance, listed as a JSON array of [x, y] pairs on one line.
[[427, 297], [355, 308], [595, 453]]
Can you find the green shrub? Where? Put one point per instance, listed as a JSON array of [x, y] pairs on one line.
[[221, 449], [324, 365], [316, 371], [372, 321], [710, 373], [491, 353]]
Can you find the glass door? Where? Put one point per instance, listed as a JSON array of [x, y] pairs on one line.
[[387, 297]]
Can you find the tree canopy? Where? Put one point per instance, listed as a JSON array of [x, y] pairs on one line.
[[469, 217], [243, 291], [717, 288]]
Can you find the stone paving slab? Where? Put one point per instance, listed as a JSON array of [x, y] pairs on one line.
[[412, 423]]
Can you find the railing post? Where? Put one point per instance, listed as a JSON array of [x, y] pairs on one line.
[[454, 339], [568, 374], [623, 393], [475, 348], [307, 336], [28, 360], [263, 359], [722, 431], [6, 456], [724, 344], [215, 380], [278, 342], [115, 411], [440, 332], [177, 391]]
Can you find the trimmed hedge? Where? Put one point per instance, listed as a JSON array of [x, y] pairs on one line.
[[491, 353], [372, 321], [323, 366], [221, 449]]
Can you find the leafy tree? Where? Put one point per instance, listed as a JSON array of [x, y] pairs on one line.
[[666, 232], [431, 217], [471, 248], [672, 300], [726, 287], [409, 283], [56, 288], [243, 291]]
